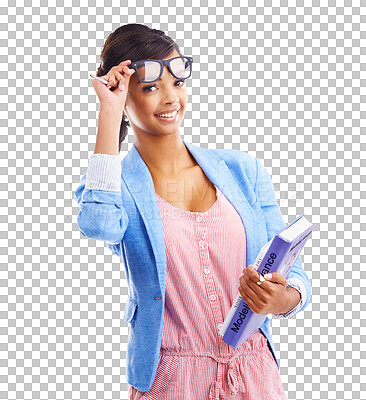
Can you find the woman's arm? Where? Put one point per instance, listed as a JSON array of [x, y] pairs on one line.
[[297, 278], [109, 123], [102, 215]]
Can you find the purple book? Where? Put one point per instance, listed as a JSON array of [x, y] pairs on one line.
[[278, 255]]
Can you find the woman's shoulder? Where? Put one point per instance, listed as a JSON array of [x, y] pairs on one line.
[[238, 160]]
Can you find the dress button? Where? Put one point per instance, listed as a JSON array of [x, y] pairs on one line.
[[213, 297], [207, 271], [201, 243], [219, 327], [199, 219]]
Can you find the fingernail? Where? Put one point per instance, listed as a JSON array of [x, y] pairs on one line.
[[267, 276], [123, 86]]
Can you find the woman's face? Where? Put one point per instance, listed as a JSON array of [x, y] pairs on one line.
[[145, 100]]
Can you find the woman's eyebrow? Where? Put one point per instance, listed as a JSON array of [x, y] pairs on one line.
[[138, 82], [151, 82]]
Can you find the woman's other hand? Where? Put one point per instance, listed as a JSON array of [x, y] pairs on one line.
[[270, 297], [112, 95]]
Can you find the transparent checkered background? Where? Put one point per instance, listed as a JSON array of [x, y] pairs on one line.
[[283, 81]]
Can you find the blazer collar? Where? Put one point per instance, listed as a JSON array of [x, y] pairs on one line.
[[141, 186]]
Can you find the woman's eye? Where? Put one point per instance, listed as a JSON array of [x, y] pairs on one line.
[[147, 88]]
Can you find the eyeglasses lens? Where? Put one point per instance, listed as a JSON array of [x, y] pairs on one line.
[[150, 70], [181, 67]]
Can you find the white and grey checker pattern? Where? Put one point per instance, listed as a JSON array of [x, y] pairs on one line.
[[284, 81]]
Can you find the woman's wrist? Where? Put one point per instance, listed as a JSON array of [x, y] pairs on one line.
[[109, 125], [292, 299], [112, 111]]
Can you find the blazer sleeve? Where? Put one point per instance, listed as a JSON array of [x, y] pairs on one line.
[[101, 213], [297, 277]]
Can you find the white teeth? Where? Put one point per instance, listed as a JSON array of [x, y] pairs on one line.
[[168, 115]]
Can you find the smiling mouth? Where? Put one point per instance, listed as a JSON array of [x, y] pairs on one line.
[[172, 118], [168, 115]]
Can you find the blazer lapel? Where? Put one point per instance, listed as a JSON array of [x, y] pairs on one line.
[[220, 175], [141, 186]]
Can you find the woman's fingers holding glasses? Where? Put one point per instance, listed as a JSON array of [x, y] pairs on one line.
[[126, 62], [117, 74], [113, 79]]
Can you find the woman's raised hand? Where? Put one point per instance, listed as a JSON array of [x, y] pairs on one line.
[[112, 95]]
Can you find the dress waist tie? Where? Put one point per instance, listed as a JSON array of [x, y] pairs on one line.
[[235, 380]]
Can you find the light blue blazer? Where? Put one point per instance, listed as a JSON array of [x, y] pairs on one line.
[[118, 205]]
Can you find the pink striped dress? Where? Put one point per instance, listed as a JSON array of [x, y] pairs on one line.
[[206, 254]]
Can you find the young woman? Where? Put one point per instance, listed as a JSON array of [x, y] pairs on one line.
[[188, 223]]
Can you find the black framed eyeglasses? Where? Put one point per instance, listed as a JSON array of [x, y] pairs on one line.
[[151, 70]]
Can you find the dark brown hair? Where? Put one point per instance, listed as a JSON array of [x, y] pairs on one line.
[[134, 42]]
